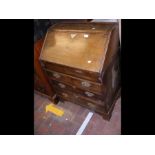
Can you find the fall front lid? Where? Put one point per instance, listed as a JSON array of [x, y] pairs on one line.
[[78, 45]]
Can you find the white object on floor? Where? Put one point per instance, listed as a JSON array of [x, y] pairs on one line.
[[84, 124]]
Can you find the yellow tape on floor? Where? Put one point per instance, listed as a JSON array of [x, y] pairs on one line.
[[53, 109]]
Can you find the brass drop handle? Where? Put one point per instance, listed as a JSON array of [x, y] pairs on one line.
[[61, 85], [89, 94], [56, 75], [85, 84]]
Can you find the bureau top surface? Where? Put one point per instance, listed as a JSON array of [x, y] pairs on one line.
[[78, 45]]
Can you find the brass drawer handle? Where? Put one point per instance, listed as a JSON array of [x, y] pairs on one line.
[[61, 85], [56, 75], [85, 84], [89, 94]]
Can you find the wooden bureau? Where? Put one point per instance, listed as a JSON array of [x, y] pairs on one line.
[[81, 61]]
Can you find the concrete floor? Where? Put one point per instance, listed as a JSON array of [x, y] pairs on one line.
[[70, 122]]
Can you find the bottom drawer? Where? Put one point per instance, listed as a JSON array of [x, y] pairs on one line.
[[106, 114], [82, 101], [97, 102]]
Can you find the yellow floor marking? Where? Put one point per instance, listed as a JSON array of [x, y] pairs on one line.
[[53, 109]]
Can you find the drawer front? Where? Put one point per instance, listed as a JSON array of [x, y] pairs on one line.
[[79, 83], [82, 101], [78, 97], [87, 75], [58, 86]]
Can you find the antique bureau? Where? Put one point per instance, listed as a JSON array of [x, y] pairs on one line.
[[81, 61]]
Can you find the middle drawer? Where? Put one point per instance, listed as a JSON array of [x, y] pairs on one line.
[[59, 86]]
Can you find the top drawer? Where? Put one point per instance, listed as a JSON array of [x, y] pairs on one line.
[[81, 50], [84, 74]]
